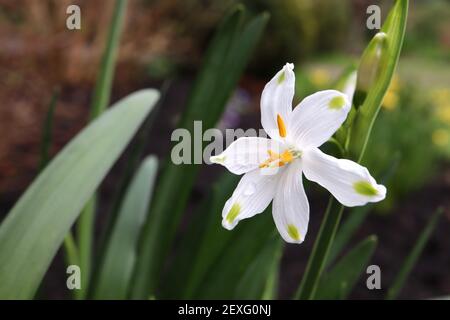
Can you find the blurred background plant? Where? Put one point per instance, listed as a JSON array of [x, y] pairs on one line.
[[167, 40]]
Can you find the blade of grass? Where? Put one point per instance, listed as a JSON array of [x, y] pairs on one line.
[[253, 283], [201, 244], [413, 256], [71, 251], [247, 240], [105, 78], [271, 287], [137, 150], [120, 254], [209, 252], [339, 281], [35, 228], [72, 258], [102, 93], [351, 224], [85, 238], [46, 139]]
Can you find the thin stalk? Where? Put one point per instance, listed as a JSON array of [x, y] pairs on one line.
[[414, 255], [46, 139], [102, 93], [72, 258], [105, 78], [85, 227], [322, 245]]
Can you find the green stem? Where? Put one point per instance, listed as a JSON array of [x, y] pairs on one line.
[[102, 93], [322, 245], [72, 257], [85, 229], [106, 76], [46, 139]]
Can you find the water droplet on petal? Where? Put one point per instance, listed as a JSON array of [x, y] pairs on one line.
[[250, 189]]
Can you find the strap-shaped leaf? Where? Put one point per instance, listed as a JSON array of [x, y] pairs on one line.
[[257, 281], [34, 229], [101, 97], [339, 282], [413, 256], [216, 260], [120, 253]]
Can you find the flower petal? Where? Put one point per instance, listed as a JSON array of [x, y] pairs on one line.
[[276, 102], [290, 207], [350, 183], [246, 154], [252, 195], [318, 117]]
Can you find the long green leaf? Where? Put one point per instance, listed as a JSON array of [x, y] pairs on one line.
[[414, 255], [222, 279], [338, 283], [32, 232], [214, 265], [253, 284], [225, 61], [351, 224], [270, 290], [100, 101], [202, 243], [120, 254]]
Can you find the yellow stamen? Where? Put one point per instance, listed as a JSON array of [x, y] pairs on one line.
[[286, 156], [277, 160], [281, 126]]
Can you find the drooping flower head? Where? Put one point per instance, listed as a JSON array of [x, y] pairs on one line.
[[272, 168]]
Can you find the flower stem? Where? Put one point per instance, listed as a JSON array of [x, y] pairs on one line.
[[322, 245]]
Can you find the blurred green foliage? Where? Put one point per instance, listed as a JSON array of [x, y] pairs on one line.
[[429, 29], [299, 29], [405, 126]]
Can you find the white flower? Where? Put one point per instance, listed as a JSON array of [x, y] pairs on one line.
[[273, 168]]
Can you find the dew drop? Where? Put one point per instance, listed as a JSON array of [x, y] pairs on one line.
[[250, 189]]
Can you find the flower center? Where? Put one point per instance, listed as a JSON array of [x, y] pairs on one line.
[[280, 159]]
